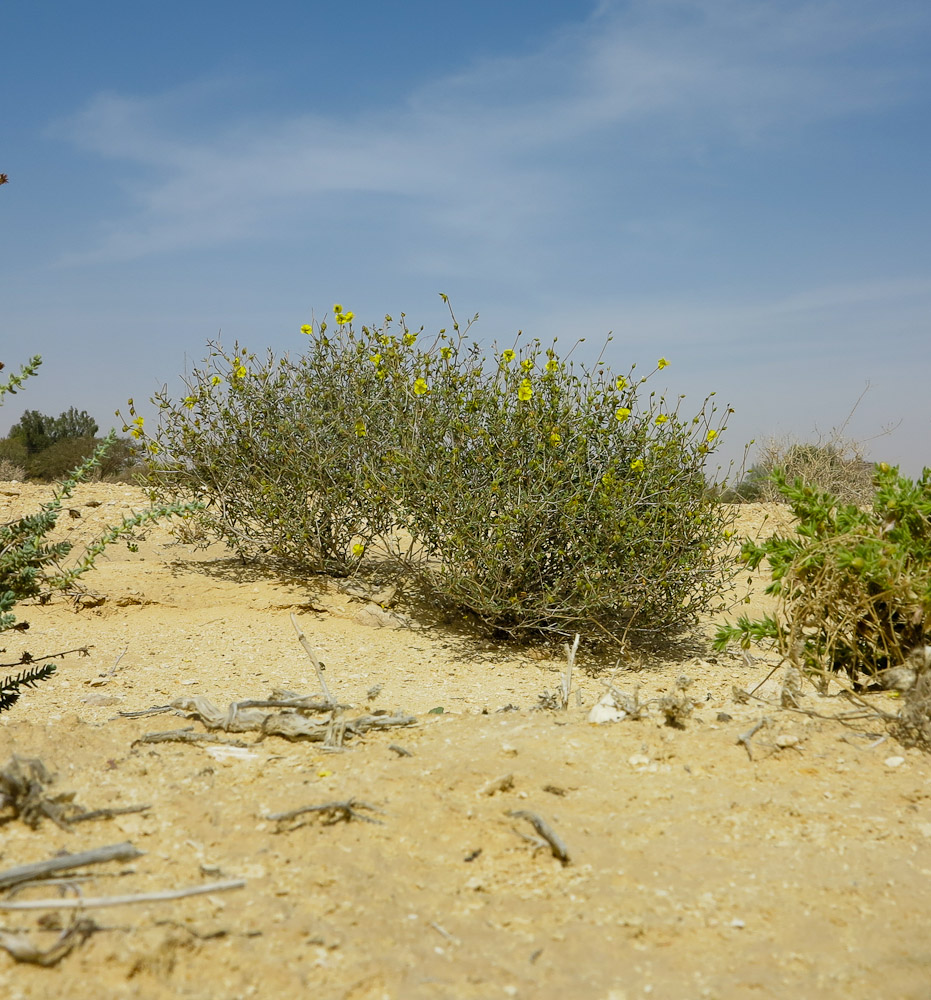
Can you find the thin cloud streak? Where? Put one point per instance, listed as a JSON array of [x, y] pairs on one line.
[[499, 142]]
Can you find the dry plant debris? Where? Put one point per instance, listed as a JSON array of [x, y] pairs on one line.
[[547, 836], [22, 949], [331, 812], [291, 723], [913, 681], [23, 784]]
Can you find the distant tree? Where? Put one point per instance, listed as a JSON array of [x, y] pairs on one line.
[[72, 424], [37, 432]]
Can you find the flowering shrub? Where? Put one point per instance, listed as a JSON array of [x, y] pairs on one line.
[[541, 496]]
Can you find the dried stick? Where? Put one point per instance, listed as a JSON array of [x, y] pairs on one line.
[[107, 813], [98, 902], [744, 738], [309, 650], [545, 831], [187, 736], [566, 685], [337, 811], [39, 869], [143, 712]]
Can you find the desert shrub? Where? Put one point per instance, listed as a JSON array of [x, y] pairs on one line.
[[13, 451], [540, 496], [553, 498], [854, 583], [279, 452], [835, 466], [10, 472]]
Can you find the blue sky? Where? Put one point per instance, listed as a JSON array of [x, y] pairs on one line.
[[740, 186]]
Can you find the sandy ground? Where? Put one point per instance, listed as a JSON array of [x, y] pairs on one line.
[[694, 871]]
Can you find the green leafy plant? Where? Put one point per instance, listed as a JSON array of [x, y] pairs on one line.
[[33, 566], [854, 583], [541, 496], [11, 686]]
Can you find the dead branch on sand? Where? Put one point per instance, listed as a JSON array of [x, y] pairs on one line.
[[546, 832], [331, 812]]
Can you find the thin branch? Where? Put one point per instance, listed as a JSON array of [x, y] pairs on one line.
[[38, 869], [333, 812], [545, 831], [309, 650], [98, 902]]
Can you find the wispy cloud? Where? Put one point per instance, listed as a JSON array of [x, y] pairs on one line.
[[488, 154]]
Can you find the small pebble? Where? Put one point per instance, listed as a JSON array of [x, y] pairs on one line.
[[894, 761]]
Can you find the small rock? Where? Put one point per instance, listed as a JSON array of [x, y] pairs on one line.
[[606, 710], [102, 699], [894, 761], [638, 760], [784, 740]]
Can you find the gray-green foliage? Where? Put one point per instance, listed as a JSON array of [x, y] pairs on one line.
[[542, 497]]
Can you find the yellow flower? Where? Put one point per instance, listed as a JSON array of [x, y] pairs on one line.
[[552, 365], [358, 550], [240, 372], [216, 380], [507, 356], [337, 308], [555, 438], [421, 387], [409, 339], [712, 435], [360, 428], [621, 383], [306, 328], [154, 449], [662, 419], [662, 363], [527, 364], [636, 465], [343, 318], [622, 414], [139, 421], [445, 352], [189, 402], [525, 391], [375, 359], [136, 432]]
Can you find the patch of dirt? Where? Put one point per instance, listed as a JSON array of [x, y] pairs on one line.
[[695, 870]]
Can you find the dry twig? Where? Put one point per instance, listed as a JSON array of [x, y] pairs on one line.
[[98, 902], [66, 862], [744, 738], [545, 831], [309, 650], [332, 812]]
